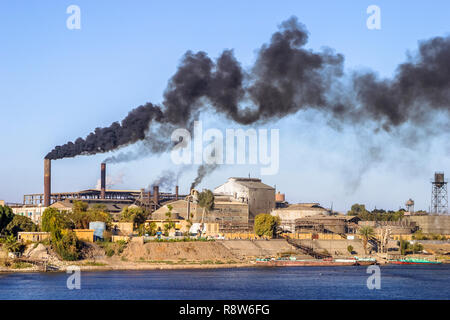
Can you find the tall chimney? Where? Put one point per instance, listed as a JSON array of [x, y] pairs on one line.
[[103, 180], [156, 194], [47, 181], [176, 192]]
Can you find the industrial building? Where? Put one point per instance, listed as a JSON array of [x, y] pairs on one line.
[[260, 197], [230, 214], [34, 212], [288, 213], [35, 204]]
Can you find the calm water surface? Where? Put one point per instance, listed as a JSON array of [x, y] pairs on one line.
[[397, 282]]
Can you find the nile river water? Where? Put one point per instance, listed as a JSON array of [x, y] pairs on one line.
[[397, 282]]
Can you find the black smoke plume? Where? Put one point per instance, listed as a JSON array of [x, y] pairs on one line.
[[286, 78], [132, 129], [203, 171]]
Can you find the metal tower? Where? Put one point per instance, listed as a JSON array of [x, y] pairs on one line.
[[439, 195]]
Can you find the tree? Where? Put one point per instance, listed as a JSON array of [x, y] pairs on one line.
[[82, 215], [367, 234], [68, 246], [357, 209], [170, 224], [266, 225], [206, 201], [133, 214], [54, 221], [12, 245], [20, 223], [6, 216], [403, 247], [151, 228]]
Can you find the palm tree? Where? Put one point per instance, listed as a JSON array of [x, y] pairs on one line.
[[367, 233]]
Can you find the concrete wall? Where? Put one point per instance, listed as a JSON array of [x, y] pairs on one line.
[[335, 246], [260, 201], [432, 224], [122, 228], [245, 248], [85, 234]]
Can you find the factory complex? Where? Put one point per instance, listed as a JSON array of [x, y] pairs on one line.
[[236, 204]]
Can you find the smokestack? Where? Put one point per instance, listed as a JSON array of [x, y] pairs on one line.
[[47, 181], [176, 192], [156, 194], [103, 181]]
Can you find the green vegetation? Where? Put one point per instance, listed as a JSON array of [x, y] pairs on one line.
[[367, 234], [418, 235], [20, 223], [6, 216], [361, 212], [63, 240], [112, 248], [21, 265], [350, 249], [12, 245], [82, 215], [266, 225], [206, 200], [54, 221], [94, 264], [133, 214], [169, 225], [68, 246], [407, 248]]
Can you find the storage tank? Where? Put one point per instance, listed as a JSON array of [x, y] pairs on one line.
[[280, 197], [439, 179], [98, 227]]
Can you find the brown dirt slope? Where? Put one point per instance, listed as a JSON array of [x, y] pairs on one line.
[[177, 251]]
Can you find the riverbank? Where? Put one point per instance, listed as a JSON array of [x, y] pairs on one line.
[[163, 256]]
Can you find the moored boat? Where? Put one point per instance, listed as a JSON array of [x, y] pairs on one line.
[[365, 261], [413, 261], [311, 262]]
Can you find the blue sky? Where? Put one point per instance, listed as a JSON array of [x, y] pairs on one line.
[[58, 84]]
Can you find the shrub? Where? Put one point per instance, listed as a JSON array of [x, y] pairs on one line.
[[266, 225], [67, 246], [12, 245], [350, 249]]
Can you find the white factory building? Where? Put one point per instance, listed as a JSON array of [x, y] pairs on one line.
[[260, 197], [34, 212]]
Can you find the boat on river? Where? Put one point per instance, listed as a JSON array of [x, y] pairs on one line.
[[413, 261], [292, 262]]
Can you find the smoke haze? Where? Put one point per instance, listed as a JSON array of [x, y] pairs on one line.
[[285, 78]]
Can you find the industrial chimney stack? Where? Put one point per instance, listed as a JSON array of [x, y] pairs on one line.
[[103, 181], [176, 192], [156, 194], [47, 181]]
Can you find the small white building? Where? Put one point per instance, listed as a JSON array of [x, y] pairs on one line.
[[34, 212], [260, 197]]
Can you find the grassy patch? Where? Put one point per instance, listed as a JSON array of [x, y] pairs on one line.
[[21, 265], [94, 264], [112, 248]]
